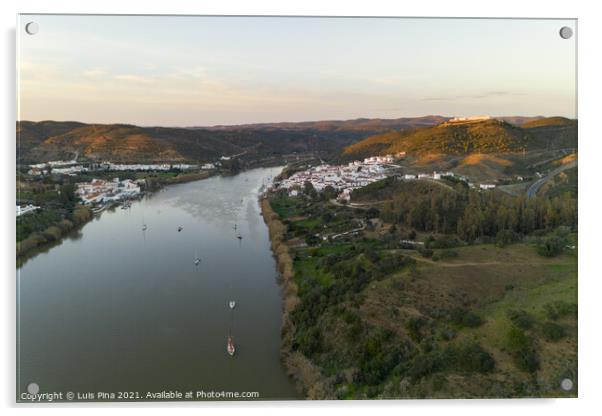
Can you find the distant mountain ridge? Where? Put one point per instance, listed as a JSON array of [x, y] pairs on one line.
[[47, 140], [51, 140], [358, 124]]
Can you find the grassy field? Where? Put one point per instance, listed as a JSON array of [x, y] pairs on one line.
[[489, 282]]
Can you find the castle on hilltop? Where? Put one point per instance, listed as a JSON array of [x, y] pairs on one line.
[[469, 119]]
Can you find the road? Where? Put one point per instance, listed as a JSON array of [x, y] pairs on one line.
[[536, 186]]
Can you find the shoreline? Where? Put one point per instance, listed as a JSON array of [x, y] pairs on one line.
[[308, 379], [38, 247], [153, 184]]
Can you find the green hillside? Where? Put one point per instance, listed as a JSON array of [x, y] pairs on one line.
[[553, 133], [550, 121], [489, 136]]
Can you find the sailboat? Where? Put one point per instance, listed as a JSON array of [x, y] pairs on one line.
[[230, 348], [180, 228], [239, 237], [232, 304], [144, 227], [197, 259]]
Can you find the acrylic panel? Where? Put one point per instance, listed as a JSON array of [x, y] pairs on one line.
[[288, 208]]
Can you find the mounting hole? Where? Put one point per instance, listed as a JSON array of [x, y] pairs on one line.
[[32, 28], [566, 32], [566, 384], [33, 388]]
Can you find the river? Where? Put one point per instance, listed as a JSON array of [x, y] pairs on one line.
[[114, 308]]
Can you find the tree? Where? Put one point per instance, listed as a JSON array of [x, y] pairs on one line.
[[551, 246], [329, 193], [309, 190]]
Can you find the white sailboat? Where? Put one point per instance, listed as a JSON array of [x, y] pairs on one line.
[[232, 304], [230, 348], [197, 259]]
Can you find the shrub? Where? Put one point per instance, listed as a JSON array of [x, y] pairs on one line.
[[81, 215], [552, 331], [311, 240], [424, 365], [465, 318], [520, 318], [516, 339], [505, 237], [559, 309], [469, 357], [448, 254], [414, 326], [65, 225], [522, 349], [445, 241], [551, 246], [52, 233], [425, 252]]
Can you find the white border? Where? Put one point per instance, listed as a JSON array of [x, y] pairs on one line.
[[590, 138]]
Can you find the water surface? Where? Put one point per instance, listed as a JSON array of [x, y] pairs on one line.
[[117, 308]]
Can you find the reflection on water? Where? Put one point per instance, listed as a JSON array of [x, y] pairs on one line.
[[118, 308]]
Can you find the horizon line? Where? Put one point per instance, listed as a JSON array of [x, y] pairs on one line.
[[281, 122]]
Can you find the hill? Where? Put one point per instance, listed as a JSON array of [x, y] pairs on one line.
[[47, 140], [519, 120], [359, 124], [553, 133], [410, 305], [488, 136], [119, 142], [549, 122]]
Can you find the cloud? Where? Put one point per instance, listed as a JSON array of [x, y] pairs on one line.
[[139, 79], [488, 94], [95, 73]]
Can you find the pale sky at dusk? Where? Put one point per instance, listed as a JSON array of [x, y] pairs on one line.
[[193, 71]]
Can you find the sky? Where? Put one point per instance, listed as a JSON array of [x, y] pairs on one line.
[[201, 71]]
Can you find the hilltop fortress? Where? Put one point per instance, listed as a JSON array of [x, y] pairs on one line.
[[469, 119]]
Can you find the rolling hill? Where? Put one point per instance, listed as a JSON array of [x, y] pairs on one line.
[[488, 136], [553, 132], [359, 124], [48, 140]]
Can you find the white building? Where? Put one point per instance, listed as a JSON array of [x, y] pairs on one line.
[[100, 190], [26, 209], [469, 119], [71, 170]]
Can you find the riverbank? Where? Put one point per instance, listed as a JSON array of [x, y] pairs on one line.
[[308, 379], [53, 233], [60, 228]]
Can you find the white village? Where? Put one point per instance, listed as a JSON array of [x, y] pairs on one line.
[[357, 174]]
